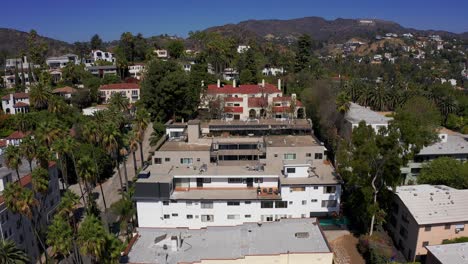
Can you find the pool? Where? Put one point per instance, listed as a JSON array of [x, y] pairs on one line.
[[334, 221]]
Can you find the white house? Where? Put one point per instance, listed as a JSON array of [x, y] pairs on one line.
[[100, 71], [102, 55], [136, 70], [15, 103], [62, 61], [272, 71], [161, 53], [66, 91], [242, 48], [129, 90], [230, 74]]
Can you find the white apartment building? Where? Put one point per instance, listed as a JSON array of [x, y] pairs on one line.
[[356, 114], [102, 55], [19, 229], [129, 90], [62, 61], [15, 103], [202, 177], [136, 70], [253, 101]]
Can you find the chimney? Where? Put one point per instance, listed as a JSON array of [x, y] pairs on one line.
[[219, 83], [263, 82], [233, 82], [279, 84]]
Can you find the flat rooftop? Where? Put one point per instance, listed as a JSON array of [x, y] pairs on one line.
[[222, 194], [357, 113], [456, 144], [234, 242], [434, 204], [450, 253], [184, 146], [291, 141]]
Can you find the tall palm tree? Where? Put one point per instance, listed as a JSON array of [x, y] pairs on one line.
[[47, 132], [39, 96], [119, 102], [125, 209], [92, 238], [61, 147], [60, 236], [22, 122], [124, 153], [13, 158], [86, 171], [28, 150], [141, 123], [111, 140], [342, 103], [10, 254], [133, 145]]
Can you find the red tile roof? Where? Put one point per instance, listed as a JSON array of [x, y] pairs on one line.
[[233, 109], [243, 89], [17, 135], [3, 143], [258, 102], [20, 104], [119, 86], [16, 96], [66, 89], [233, 99]]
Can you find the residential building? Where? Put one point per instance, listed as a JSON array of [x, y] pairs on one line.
[[62, 61], [425, 215], [451, 144], [10, 80], [15, 103], [298, 241], [356, 114], [89, 111], [447, 254], [102, 55], [136, 70], [230, 74], [100, 71], [18, 63], [272, 71], [129, 90], [15, 138], [17, 228], [161, 53], [253, 101], [66, 91], [207, 174], [242, 48]]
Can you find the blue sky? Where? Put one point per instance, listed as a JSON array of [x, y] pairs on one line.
[[78, 20]]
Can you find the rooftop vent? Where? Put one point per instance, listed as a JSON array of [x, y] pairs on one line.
[[302, 235]]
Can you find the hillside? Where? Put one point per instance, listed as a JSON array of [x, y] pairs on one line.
[[318, 28], [14, 41]]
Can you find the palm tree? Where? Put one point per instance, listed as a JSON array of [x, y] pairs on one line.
[[39, 96], [111, 143], [62, 147], [86, 171], [141, 123], [47, 132], [66, 209], [133, 145], [22, 122], [342, 103], [28, 150], [119, 102], [13, 158], [10, 254], [92, 238], [125, 209], [60, 236], [124, 153]]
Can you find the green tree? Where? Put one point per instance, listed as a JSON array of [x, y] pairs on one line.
[[125, 209], [13, 158], [10, 254], [28, 150], [92, 238], [175, 48], [304, 52], [96, 42], [445, 171], [119, 102], [39, 95], [141, 123], [60, 236]]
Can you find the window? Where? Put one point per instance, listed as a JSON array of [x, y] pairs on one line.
[[425, 243], [403, 232], [304, 202], [165, 202], [157, 160], [276, 155], [404, 217], [297, 189], [167, 159], [207, 218], [313, 200], [308, 155], [329, 189], [247, 216], [188, 203], [206, 205], [258, 180], [427, 228], [134, 92], [175, 215], [281, 204], [291, 170], [166, 216], [233, 217], [447, 226], [235, 180], [290, 202], [187, 161], [266, 204], [248, 202], [315, 187], [233, 203], [206, 180], [328, 203], [289, 156], [318, 155], [198, 159]]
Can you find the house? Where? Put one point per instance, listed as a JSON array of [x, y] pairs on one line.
[[408, 35], [129, 90], [20, 229], [447, 254], [272, 71], [89, 111], [10, 79], [161, 53], [66, 91], [15, 103], [97, 55], [100, 71], [207, 175], [356, 114], [451, 144], [230, 74], [19, 63], [426, 215], [15, 138], [62, 61], [297, 241], [252, 101], [242, 48], [136, 70]]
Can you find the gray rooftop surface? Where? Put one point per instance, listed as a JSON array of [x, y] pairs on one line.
[[229, 242], [456, 144], [435, 204], [450, 253], [357, 113]]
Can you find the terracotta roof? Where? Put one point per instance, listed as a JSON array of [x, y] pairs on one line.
[[233, 109], [17, 135], [243, 89], [16, 96], [20, 104], [66, 89], [3, 143], [119, 86], [258, 102], [233, 99]]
